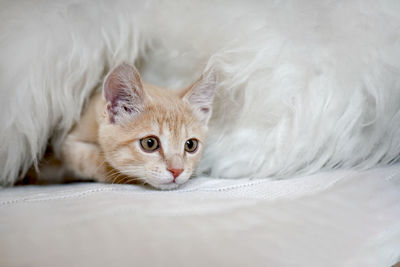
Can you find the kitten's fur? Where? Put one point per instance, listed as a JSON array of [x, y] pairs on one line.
[[105, 144]]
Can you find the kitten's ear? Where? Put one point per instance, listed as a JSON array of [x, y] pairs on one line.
[[124, 93], [201, 94]]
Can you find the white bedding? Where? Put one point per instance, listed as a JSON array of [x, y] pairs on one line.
[[341, 218]]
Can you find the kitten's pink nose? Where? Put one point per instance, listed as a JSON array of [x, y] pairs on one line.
[[175, 172]]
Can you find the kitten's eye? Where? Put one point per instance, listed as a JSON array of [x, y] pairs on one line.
[[191, 145], [149, 144]]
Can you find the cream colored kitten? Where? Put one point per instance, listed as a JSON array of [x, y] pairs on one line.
[[135, 131]]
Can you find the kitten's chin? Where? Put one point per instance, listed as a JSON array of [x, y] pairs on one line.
[[166, 186]]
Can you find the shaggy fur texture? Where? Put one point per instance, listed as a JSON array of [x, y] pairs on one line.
[[304, 85]]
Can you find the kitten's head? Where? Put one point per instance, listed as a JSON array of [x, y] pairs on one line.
[[153, 134]]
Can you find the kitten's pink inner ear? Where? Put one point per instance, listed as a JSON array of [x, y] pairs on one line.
[[124, 93], [201, 94]]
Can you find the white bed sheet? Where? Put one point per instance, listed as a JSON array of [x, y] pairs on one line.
[[340, 218]]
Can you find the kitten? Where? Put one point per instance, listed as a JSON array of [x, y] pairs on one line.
[[135, 131]]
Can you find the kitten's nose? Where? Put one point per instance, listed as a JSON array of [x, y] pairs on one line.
[[175, 172]]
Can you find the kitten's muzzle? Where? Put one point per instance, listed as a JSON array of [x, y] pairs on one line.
[[175, 165]]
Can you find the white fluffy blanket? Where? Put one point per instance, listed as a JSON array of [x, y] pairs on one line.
[[304, 85]]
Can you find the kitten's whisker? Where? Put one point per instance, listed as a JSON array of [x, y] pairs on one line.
[[124, 177], [118, 178], [130, 180], [100, 165], [113, 175], [110, 174]]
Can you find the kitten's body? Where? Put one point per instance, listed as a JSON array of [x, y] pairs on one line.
[[107, 143]]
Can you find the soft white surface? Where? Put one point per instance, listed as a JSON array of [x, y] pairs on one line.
[[304, 85], [341, 218]]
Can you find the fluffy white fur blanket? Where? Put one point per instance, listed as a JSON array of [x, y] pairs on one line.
[[304, 85]]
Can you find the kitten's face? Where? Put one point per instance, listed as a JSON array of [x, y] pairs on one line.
[[152, 134]]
